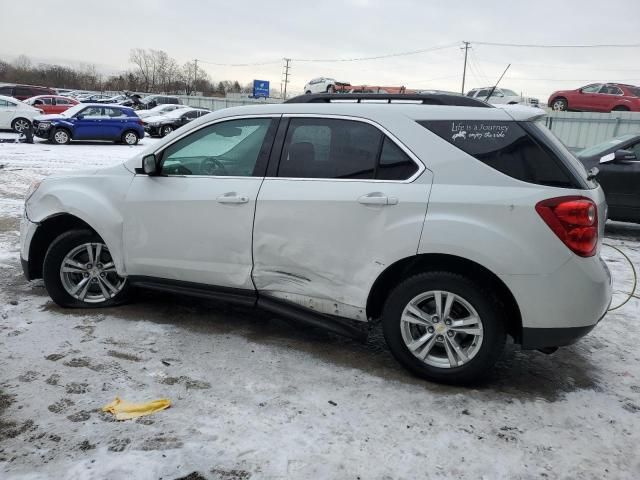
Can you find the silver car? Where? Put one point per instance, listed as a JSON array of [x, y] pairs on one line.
[[451, 222]]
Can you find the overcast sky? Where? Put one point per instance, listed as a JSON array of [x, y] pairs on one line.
[[248, 31]]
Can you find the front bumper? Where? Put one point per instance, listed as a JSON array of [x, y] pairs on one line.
[[27, 231], [559, 308], [153, 131]]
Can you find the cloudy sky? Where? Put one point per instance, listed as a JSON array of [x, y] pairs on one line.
[[240, 32]]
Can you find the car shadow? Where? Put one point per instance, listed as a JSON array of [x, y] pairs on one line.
[[521, 375]]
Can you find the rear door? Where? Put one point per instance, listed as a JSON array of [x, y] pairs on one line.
[[341, 203], [114, 122], [586, 98]]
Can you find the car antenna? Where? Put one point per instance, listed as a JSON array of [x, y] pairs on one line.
[[496, 85]]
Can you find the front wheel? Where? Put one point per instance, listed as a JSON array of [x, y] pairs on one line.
[[444, 327], [61, 137], [166, 130], [79, 272], [559, 105], [20, 125]]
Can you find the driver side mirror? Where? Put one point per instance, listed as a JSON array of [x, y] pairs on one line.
[[620, 156], [80, 117], [149, 164]]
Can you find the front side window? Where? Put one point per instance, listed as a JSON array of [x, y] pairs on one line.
[[4, 103], [504, 146], [591, 88], [230, 148], [62, 101], [329, 148], [92, 113]]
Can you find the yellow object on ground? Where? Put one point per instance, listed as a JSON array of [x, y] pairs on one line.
[[126, 410]]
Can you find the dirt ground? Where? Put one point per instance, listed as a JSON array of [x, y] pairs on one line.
[[257, 397]]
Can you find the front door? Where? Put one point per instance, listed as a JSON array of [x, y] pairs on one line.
[[88, 124], [346, 201], [194, 221], [620, 181]]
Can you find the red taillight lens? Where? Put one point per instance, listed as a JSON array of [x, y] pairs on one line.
[[574, 220], [140, 122]]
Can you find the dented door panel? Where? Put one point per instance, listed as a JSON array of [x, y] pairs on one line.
[[315, 244]]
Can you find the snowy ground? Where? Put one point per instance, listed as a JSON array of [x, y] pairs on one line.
[[260, 398]]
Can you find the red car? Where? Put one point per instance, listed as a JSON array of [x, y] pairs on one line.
[[598, 97], [51, 104]]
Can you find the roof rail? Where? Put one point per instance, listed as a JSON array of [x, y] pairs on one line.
[[423, 99]]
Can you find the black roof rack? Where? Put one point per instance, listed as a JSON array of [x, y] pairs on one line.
[[422, 98]]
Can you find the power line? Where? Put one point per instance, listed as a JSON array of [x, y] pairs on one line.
[[240, 64], [531, 45], [377, 57]]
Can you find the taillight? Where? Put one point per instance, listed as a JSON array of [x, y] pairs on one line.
[[574, 220], [140, 122]]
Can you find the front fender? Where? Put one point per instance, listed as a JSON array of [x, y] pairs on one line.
[[96, 200]]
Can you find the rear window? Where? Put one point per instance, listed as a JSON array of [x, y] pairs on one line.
[[506, 147]]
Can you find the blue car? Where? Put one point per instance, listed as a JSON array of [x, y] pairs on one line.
[[90, 122]]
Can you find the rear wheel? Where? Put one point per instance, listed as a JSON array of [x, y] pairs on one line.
[[308, 92], [560, 105], [130, 137], [79, 272], [20, 125], [61, 136], [444, 327], [620, 108]]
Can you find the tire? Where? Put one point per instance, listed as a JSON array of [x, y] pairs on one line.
[[61, 136], [433, 340], [331, 89], [97, 286], [130, 138], [165, 130], [20, 124], [308, 92], [560, 105], [620, 108]]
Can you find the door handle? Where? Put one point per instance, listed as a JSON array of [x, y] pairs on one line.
[[232, 197], [377, 198]]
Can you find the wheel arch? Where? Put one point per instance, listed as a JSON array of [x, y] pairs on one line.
[[427, 262]]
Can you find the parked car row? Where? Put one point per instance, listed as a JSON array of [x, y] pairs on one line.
[[163, 124]]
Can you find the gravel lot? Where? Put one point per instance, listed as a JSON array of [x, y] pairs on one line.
[[256, 397]]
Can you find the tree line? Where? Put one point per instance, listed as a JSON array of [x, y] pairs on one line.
[[153, 71]]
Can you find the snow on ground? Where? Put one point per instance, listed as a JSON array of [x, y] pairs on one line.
[[256, 397]]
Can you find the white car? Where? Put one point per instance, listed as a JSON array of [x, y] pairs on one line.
[[502, 96], [452, 222], [159, 110], [322, 85], [16, 115]]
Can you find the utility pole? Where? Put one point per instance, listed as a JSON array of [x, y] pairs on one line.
[[195, 72], [464, 70], [285, 72]]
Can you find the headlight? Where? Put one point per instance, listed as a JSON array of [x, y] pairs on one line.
[[44, 125], [32, 189]]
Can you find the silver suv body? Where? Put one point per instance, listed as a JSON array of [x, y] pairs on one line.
[[453, 225]]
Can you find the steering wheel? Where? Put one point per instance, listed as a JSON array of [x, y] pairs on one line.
[[212, 166]]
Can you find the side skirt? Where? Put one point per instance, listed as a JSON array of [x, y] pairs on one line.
[[250, 298]]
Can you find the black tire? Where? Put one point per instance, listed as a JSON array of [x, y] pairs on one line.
[[620, 108], [487, 306], [559, 104], [166, 130], [63, 139], [308, 92], [51, 272], [127, 136], [20, 124]]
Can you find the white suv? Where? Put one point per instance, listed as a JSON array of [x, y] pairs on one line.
[[321, 85], [502, 96], [452, 222]]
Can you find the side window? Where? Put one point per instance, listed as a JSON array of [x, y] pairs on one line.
[[191, 115], [114, 113], [635, 149], [506, 147], [6, 91], [92, 113], [329, 148], [4, 103], [482, 94], [62, 101], [230, 148], [47, 100], [471, 93], [591, 88], [394, 163]]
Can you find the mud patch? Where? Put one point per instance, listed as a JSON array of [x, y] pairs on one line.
[[85, 445], [76, 388], [61, 405], [193, 476], [78, 362], [233, 474], [54, 357], [189, 383], [28, 377], [123, 356], [54, 379], [160, 442], [118, 444], [81, 416]]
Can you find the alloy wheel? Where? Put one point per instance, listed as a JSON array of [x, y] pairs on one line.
[[21, 125], [441, 329], [130, 138], [88, 273], [61, 136]]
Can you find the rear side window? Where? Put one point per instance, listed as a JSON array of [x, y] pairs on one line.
[[506, 147]]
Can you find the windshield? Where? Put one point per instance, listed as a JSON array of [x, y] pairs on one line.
[[604, 146], [178, 112], [508, 92], [70, 112]]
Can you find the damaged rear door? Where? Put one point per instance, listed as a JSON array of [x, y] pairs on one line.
[[342, 200]]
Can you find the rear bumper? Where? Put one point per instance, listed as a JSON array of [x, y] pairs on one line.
[[559, 308]]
